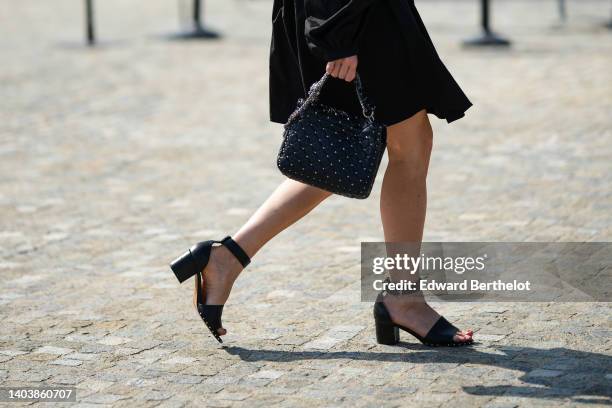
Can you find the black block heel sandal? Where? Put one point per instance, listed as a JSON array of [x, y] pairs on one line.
[[193, 263], [387, 332]]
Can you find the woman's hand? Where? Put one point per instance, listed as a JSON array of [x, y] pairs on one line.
[[343, 68]]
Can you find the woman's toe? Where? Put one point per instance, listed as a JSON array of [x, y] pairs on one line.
[[469, 335], [221, 331], [462, 337]]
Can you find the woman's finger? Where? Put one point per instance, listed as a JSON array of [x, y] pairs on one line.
[[330, 67], [344, 69], [336, 70], [351, 73]]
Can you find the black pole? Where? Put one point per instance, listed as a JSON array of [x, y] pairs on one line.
[[485, 11], [562, 10], [197, 17], [199, 29], [89, 18], [487, 37]]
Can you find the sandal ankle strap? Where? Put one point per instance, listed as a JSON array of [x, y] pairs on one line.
[[236, 250]]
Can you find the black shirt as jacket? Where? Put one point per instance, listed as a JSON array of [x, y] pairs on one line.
[[398, 64]]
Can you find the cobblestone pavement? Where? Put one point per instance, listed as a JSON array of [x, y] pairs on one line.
[[113, 160]]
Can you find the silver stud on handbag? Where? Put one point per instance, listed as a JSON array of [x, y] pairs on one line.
[[331, 149]]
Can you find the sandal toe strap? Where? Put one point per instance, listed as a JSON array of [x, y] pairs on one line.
[[211, 314], [441, 332]]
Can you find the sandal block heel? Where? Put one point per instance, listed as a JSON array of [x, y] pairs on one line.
[[184, 267], [387, 333]]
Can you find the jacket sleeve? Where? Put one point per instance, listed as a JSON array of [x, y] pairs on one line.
[[332, 27]]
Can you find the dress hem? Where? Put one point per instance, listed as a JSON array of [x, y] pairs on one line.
[[450, 116]]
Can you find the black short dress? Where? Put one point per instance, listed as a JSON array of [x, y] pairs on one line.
[[400, 69]]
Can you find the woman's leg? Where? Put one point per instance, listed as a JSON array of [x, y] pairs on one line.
[[403, 202], [287, 204]]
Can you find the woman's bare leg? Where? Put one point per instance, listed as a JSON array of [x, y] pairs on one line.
[[403, 203], [287, 204]]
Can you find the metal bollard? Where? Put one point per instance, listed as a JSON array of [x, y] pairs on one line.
[[199, 29], [487, 37], [89, 23], [562, 10]]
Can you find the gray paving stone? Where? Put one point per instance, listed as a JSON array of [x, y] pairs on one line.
[[12, 353], [113, 340], [267, 374], [186, 379], [179, 360], [103, 398], [67, 362], [53, 350]]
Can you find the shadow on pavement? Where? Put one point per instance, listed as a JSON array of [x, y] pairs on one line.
[[554, 373]]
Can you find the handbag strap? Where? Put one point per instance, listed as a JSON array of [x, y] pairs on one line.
[[315, 90]]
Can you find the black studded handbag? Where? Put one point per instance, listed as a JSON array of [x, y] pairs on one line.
[[331, 149]]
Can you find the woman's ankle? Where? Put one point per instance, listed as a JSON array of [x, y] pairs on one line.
[[226, 266]]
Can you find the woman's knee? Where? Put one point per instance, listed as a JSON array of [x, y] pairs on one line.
[[409, 143]]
